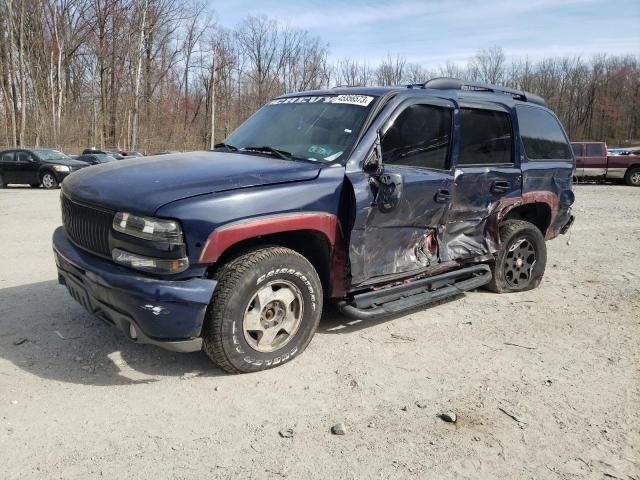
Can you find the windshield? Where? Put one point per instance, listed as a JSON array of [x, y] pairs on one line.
[[48, 155], [317, 128], [105, 158]]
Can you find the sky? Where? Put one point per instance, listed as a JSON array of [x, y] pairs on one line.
[[432, 32]]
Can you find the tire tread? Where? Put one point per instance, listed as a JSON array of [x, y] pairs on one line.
[[507, 229], [227, 277]]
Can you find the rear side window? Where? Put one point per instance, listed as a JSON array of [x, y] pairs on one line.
[[7, 157], [577, 151], [486, 138], [594, 150], [419, 137], [542, 135], [23, 157]]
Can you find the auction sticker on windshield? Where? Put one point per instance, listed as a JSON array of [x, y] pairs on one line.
[[361, 100]]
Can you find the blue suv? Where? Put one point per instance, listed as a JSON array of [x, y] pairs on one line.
[[379, 200]]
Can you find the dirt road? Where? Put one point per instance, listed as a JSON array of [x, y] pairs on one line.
[[545, 384]]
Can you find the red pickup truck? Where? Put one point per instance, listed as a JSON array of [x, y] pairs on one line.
[[592, 162]]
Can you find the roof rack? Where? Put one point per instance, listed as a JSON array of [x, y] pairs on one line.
[[444, 83]]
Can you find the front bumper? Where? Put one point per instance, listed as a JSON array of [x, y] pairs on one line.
[[60, 176], [568, 225], [169, 314]]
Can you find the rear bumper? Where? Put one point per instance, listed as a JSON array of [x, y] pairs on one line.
[[169, 314]]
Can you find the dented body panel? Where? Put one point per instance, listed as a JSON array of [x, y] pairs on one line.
[[398, 242], [421, 236], [550, 184]]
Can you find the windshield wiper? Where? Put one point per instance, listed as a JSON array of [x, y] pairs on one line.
[[229, 148], [270, 150]]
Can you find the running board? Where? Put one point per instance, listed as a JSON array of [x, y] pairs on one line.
[[407, 296]]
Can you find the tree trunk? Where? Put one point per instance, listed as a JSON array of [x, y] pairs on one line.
[[11, 87], [136, 93], [23, 80]]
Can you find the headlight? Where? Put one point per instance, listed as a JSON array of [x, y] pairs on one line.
[[148, 264], [61, 168], [157, 229]]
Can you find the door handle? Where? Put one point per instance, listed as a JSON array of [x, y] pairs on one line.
[[442, 196], [499, 187]]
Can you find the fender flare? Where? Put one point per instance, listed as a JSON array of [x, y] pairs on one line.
[[228, 235], [631, 167], [551, 199]]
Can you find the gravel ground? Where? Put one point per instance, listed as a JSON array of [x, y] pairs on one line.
[[544, 384]]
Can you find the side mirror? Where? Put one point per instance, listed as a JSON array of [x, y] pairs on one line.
[[389, 187]]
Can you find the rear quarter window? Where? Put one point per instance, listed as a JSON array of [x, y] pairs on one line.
[[23, 157], [595, 150], [577, 150], [542, 135]]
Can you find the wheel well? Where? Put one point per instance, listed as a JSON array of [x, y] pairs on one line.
[[311, 244], [537, 213], [632, 167]]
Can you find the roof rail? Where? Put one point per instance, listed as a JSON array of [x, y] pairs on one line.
[[444, 83]]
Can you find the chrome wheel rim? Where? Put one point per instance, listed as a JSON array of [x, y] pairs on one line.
[[273, 316], [47, 180], [519, 263], [635, 178]]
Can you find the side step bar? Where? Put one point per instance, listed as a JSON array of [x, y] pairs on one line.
[[403, 297]]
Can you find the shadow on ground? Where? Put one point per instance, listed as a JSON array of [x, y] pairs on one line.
[[334, 322], [46, 333]]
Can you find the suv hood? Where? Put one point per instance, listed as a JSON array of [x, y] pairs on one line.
[[142, 185]]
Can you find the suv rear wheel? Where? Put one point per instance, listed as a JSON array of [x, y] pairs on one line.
[[49, 181], [264, 311], [520, 264], [633, 177]]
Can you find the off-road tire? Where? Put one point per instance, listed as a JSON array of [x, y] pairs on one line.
[[2, 184], [512, 232], [632, 177], [49, 185], [239, 280]]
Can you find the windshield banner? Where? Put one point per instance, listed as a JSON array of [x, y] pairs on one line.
[[361, 100]]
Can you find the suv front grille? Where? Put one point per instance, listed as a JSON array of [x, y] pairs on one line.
[[86, 226]]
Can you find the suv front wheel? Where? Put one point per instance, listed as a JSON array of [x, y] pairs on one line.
[[521, 262], [264, 311]]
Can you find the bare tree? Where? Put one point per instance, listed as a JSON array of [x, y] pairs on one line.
[[137, 81], [391, 70], [488, 66], [158, 74]]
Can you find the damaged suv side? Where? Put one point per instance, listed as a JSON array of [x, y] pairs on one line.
[[377, 199]]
